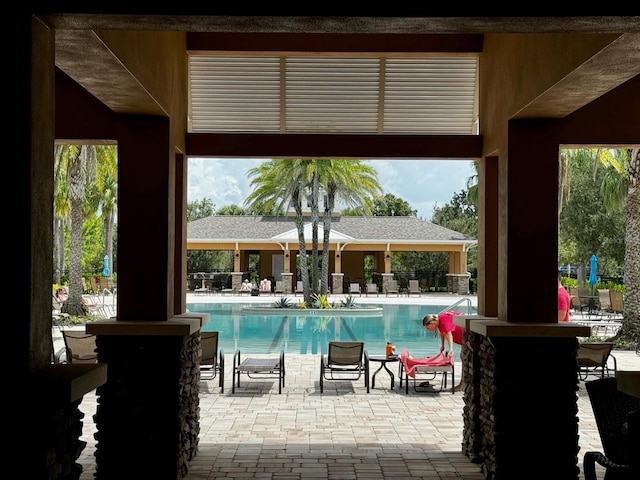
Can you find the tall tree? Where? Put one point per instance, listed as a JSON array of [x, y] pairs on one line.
[[82, 166], [231, 209], [200, 209], [283, 182], [107, 183], [618, 192], [280, 183], [620, 189], [61, 210], [354, 183]]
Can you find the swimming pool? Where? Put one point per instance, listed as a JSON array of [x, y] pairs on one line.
[[293, 331]]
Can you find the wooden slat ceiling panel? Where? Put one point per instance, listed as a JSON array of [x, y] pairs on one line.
[[328, 94]]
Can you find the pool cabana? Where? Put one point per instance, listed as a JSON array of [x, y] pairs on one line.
[[352, 239]]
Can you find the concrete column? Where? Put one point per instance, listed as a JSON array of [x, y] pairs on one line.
[[338, 282], [287, 281], [236, 281], [386, 278]]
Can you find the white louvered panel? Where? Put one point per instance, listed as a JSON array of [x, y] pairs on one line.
[[333, 94], [328, 94], [430, 95], [235, 94]]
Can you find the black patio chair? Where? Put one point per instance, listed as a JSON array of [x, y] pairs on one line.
[[611, 410]]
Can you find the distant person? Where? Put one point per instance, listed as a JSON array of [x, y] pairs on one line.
[[61, 295], [265, 285], [246, 285], [58, 298], [564, 301], [443, 323]]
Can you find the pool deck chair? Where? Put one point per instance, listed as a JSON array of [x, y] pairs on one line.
[[429, 366], [595, 358], [344, 361], [414, 287], [254, 367], [392, 288], [279, 288], [372, 289], [211, 361], [80, 346], [355, 288]]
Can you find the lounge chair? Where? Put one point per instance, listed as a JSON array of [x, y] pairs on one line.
[[391, 288], [211, 363], [414, 287], [604, 302], [355, 288], [80, 347], [372, 288], [439, 364], [617, 301], [265, 286], [254, 367], [612, 410], [279, 287], [299, 288], [344, 361], [594, 358]]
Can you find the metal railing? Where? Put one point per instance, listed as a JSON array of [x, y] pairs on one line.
[[460, 302]]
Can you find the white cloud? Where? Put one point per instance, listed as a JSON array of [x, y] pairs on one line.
[[422, 183]]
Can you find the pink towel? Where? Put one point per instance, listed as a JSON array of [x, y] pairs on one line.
[[410, 363]]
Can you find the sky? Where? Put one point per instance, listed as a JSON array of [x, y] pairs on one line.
[[424, 184]]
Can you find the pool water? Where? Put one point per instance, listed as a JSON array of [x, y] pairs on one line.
[[293, 331]]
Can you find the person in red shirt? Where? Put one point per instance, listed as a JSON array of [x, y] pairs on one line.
[[452, 333], [564, 301]]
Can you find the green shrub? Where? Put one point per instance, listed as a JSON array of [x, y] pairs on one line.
[[349, 302], [282, 302], [321, 301]]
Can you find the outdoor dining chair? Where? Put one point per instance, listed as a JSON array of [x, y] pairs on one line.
[[80, 347], [611, 410]]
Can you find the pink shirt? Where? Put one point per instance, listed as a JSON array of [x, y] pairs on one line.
[[446, 325], [564, 302]]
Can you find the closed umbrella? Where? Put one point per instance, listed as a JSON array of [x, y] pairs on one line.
[[105, 270], [593, 272]]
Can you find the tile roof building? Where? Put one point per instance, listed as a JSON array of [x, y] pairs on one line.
[[352, 238]]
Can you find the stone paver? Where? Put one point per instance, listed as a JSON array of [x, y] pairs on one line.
[[343, 433]]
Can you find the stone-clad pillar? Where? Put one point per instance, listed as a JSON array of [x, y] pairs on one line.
[[522, 385], [148, 410]]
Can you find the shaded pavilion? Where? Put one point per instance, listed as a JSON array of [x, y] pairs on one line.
[[541, 83]]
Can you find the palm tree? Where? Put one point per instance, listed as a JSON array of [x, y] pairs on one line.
[[355, 183], [61, 210], [81, 172], [278, 184], [107, 183], [621, 189], [351, 180]]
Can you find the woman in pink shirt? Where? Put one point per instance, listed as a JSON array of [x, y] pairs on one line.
[[443, 322], [564, 301]]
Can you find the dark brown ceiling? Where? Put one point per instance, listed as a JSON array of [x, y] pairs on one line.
[[82, 56]]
